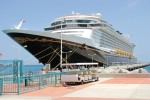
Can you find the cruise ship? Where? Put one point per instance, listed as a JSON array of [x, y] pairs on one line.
[[84, 38]]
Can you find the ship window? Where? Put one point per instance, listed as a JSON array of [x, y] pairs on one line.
[[50, 28], [83, 21], [95, 24], [82, 25], [57, 27], [79, 21], [59, 22], [53, 24], [87, 21], [63, 26], [56, 23], [68, 21]]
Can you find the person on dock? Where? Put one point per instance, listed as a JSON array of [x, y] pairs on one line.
[[42, 71]]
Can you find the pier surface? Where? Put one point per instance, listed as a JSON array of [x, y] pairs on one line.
[[104, 89], [130, 67]]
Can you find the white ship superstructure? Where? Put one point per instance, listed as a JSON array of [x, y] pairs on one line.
[[102, 35], [84, 34]]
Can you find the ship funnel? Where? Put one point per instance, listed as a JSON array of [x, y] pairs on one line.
[[20, 24]]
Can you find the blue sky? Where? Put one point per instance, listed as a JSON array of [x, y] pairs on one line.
[[128, 16]]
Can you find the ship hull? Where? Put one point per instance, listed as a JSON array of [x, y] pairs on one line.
[[47, 50]]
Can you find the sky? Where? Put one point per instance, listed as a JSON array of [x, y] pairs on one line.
[[128, 16]]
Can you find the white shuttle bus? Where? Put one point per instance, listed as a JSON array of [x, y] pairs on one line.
[[79, 73]]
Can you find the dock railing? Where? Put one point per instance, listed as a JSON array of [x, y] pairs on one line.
[[28, 83], [1, 86]]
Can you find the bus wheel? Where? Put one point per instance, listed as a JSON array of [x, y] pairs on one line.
[[97, 79], [82, 82]]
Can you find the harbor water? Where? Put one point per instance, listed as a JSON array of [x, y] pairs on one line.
[[32, 68], [37, 68], [147, 68], [8, 70]]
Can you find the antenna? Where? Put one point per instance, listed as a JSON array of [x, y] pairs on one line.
[[20, 24]]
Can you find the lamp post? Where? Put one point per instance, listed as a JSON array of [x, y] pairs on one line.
[[92, 57], [66, 54], [61, 46]]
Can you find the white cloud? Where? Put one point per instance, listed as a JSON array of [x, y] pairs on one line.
[[132, 3]]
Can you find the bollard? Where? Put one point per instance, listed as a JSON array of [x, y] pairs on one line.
[[26, 82]]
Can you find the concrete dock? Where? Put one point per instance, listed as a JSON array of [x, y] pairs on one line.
[[104, 89], [130, 67]]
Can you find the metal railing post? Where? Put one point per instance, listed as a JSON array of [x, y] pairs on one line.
[[1, 86], [55, 79], [18, 85], [39, 81], [51, 76]]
